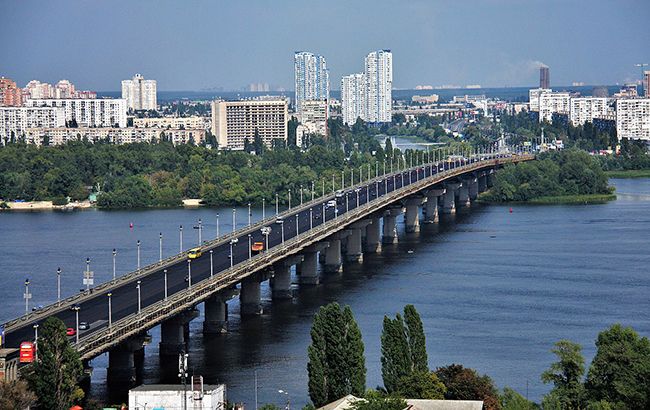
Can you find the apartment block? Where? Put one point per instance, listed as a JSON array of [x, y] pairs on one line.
[[314, 116], [104, 112], [235, 121], [533, 97], [14, 121], [172, 122], [353, 98], [311, 78], [62, 135], [10, 94], [140, 94], [379, 85], [553, 103], [633, 118], [585, 109]]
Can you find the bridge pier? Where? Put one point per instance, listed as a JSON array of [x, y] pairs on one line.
[[354, 250], [309, 264], [333, 259], [250, 297], [473, 188], [412, 217], [482, 181], [463, 194], [449, 198], [216, 312], [281, 280], [373, 236], [121, 361], [390, 225], [173, 335], [490, 178], [431, 206]]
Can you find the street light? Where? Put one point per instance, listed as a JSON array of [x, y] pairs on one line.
[[36, 341], [76, 308], [189, 273], [165, 275], [58, 285], [277, 204], [297, 221], [234, 220], [217, 224], [160, 247], [300, 194], [249, 214], [114, 255], [312, 190], [180, 229], [139, 300], [289, 198], [200, 229], [311, 218], [138, 246], [211, 264], [266, 231], [233, 241], [250, 245], [110, 310], [87, 275], [263, 208], [27, 295]]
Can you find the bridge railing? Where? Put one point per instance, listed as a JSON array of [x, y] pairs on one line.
[[101, 340]]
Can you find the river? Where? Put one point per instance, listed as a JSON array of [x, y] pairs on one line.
[[495, 289]]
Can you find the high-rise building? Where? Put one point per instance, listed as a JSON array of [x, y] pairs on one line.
[[103, 112], [353, 98], [633, 118], [379, 84], [553, 103], [533, 97], [646, 84], [544, 77], [14, 121], [64, 89], [234, 122], [585, 109], [312, 80], [140, 94], [10, 94]]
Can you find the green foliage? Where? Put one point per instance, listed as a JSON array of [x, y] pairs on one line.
[[403, 348], [54, 377], [466, 384], [566, 375], [569, 172], [269, 406], [421, 385], [15, 395], [379, 402], [336, 364], [511, 400], [620, 371]]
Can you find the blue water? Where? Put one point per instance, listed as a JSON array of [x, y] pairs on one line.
[[495, 289]]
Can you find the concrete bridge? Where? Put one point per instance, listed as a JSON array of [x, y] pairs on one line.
[[166, 293]]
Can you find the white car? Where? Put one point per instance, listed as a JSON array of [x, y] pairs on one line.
[[331, 203]]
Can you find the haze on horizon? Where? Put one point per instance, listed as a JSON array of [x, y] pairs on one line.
[[207, 45]]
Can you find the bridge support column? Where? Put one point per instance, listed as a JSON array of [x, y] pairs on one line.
[[333, 257], [373, 236], [309, 265], [390, 225], [216, 312], [463, 194], [281, 280], [354, 249], [172, 333], [250, 297], [121, 361], [473, 188], [431, 206], [449, 199], [412, 218], [490, 178], [482, 182]]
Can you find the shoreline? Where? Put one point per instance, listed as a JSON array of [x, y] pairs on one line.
[[628, 173], [560, 200]]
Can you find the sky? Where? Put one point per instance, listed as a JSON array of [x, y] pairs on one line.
[[199, 45]]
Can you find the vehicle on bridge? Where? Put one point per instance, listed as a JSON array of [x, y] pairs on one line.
[[70, 331], [195, 253], [26, 352], [257, 247]]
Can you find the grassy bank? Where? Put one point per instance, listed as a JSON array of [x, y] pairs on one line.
[[629, 173], [561, 199]]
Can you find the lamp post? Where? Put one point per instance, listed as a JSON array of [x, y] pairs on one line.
[[27, 295], [312, 190], [342, 179], [110, 310], [58, 285], [138, 246], [300, 194], [297, 221], [165, 275], [211, 265], [114, 255], [200, 229], [250, 245], [266, 231], [277, 204], [76, 309], [233, 241], [217, 224], [282, 226], [139, 299], [323, 181], [86, 280], [160, 247], [311, 218], [324, 214], [36, 341], [249, 214], [180, 230], [189, 273], [263, 208], [234, 220], [289, 198], [333, 189]]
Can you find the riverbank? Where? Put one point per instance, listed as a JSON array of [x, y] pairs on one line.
[[629, 173], [560, 199], [43, 206]]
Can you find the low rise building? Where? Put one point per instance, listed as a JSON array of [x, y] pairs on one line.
[[633, 118], [61, 135], [103, 112], [14, 121], [425, 99], [170, 122], [173, 396], [314, 116], [234, 122]]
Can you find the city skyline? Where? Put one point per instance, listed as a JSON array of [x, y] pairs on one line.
[[435, 43]]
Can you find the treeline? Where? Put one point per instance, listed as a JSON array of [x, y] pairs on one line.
[[618, 377], [554, 174]]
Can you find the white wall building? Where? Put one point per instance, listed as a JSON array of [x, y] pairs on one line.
[[551, 103], [533, 97], [171, 122], [314, 116], [171, 397], [585, 109], [311, 78], [140, 94], [235, 121], [19, 119], [379, 85], [353, 98], [633, 118], [61, 135], [104, 112]]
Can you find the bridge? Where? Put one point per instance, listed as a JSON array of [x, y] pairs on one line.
[[334, 228]]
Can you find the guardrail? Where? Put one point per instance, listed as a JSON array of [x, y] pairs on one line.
[[81, 297], [136, 323]]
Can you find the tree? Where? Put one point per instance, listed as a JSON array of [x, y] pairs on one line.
[[269, 406], [336, 364], [566, 375], [421, 385], [620, 371], [416, 339], [466, 384], [16, 395], [54, 376], [375, 401], [511, 400]]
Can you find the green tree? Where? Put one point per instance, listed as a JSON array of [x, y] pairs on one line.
[[15, 395], [466, 384], [421, 385], [269, 406], [336, 364], [511, 400], [566, 375], [416, 339], [620, 371], [56, 373], [373, 401]]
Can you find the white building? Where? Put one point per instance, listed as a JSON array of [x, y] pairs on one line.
[[633, 118], [233, 122], [379, 85], [170, 396], [140, 94], [17, 120], [172, 122], [314, 116], [311, 78], [553, 103], [353, 98], [62, 135], [38, 90], [533, 97], [585, 109], [104, 112]]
